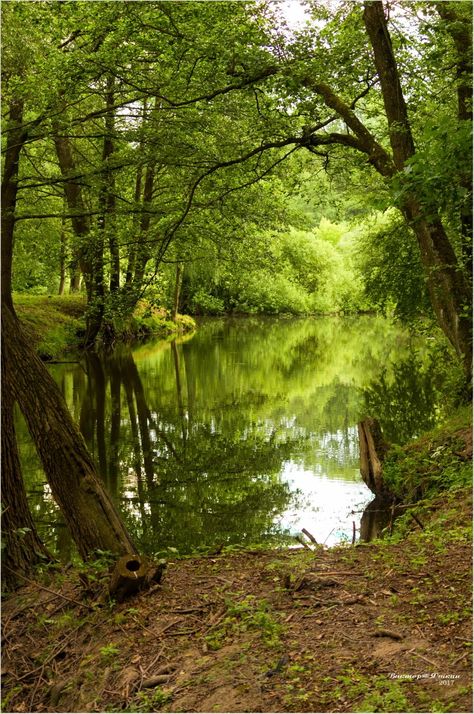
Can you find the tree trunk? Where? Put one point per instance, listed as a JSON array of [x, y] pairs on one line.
[[142, 250], [447, 287], [460, 29], [107, 193], [91, 251], [22, 547], [16, 137], [89, 512], [177, 290], [75, 277], [373, 449], [62, 259], [74, 199]]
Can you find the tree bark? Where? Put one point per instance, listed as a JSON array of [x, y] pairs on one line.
[[142, 255], [22, 547], [177, 290], [90, 252], [373, 449], [107, 195], [74, 199], [89, 512], [16, 137], [62, 258]]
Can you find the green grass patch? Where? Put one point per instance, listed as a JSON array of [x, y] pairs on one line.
[[54, 324], [437, 462]]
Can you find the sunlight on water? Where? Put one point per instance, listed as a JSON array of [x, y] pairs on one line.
[[326, 507]]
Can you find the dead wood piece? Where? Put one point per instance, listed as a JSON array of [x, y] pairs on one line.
[[156, 573], [417, 520], [154, 681], [303, 543], [310, 536], [373, 449], [128, 577], [56, 690], [387, 633]]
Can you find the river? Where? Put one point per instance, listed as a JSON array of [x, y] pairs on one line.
[[244, 433]]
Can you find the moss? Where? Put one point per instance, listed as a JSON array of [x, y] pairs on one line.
[[56, 324]]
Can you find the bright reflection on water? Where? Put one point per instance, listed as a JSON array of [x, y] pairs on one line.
[[244, 433]]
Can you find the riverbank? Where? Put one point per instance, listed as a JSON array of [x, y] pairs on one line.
[[384, 626], [377, 627], [55, 324]]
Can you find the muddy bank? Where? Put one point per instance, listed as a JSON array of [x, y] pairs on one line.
[[376, 627]]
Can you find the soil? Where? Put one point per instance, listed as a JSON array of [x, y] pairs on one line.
[[376, 627]]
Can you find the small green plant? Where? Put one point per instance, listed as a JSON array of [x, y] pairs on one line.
[[108, 652], [247, 614], [150, 701]]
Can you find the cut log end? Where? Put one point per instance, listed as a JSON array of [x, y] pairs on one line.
[[128, 577]]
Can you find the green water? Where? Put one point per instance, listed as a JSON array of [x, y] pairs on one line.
[[244, 433]]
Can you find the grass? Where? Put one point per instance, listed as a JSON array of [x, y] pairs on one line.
[[55, 324], [433, 464], [244, 615]]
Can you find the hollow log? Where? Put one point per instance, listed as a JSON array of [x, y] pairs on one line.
[[373, 449], [128, 577]]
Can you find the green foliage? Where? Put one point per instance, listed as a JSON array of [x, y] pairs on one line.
[[433, 464], [109, 652], [243, 615], [54, 323], [390, 267]]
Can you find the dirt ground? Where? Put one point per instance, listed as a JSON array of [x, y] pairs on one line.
[[377, 627]]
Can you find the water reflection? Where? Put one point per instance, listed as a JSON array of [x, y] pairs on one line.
[[404, 397], [245, 433]]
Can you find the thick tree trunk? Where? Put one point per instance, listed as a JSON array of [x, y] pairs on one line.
[[89, 512], [446, 284], [460, 28], [75, 277], [91, 250], [22, 547], [74, 199], [16, 137]]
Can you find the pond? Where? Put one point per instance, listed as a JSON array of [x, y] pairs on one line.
[[244, 433]]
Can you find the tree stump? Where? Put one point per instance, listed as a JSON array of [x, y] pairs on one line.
[[373, 449], [128, 577]]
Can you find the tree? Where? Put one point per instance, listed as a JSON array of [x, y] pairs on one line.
[[89, 512]]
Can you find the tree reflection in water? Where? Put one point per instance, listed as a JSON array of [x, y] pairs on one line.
[[193, 437]]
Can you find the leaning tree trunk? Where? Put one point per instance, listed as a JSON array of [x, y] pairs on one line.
[[88, 510], [449, 294], [446, 283], [22, 547]]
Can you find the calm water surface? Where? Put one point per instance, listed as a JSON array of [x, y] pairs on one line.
[[244, 433]]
